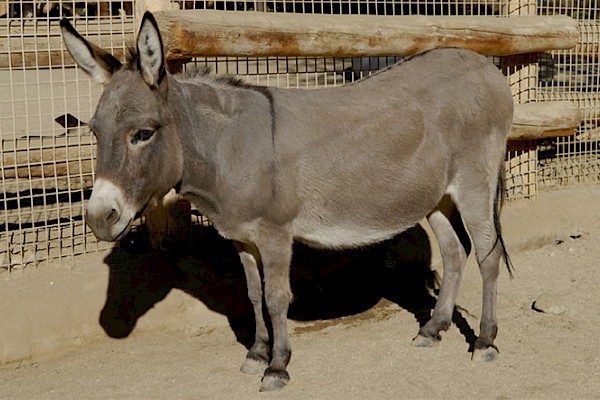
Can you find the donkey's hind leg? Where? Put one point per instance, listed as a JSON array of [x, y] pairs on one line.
[[257, 359], [454, 246], [480, 214]]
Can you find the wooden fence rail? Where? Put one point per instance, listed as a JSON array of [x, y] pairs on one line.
[[252, 34]]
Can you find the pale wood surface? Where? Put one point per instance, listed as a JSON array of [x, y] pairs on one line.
[[225, 33], [40, 45], [545, 119]]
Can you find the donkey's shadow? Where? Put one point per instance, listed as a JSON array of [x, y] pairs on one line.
[[326, 284]]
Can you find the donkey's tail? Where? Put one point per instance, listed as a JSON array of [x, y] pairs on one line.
[[498, 201]]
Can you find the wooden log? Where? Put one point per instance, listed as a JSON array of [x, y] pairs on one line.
[[250, 34], [62, 183], [33, 215], [43, 59], [24, 46], [61, 168], [545, 119], [49, 170], [587, 101], [46, 163]]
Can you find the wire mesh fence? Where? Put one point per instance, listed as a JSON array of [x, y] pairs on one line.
[[574, 77], [47, 152]]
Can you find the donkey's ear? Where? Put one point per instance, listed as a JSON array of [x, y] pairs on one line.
[[150, 51], [99, 64]]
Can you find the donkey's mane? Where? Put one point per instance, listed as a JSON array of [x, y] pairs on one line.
[[191, 72], [131, 58]]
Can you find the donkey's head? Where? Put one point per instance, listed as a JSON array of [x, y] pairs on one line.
[[139, 148]]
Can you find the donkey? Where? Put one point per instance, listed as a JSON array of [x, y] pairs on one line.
[[336, 168]]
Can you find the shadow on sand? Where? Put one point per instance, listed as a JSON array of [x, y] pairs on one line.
[[326, 284]]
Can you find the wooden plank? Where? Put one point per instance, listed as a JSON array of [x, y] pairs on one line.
[[43, 59], [63, 183], [33, 215], [588, 102], [249, 34], [46, 163], [545, 119], [41, 45], [50, 168]]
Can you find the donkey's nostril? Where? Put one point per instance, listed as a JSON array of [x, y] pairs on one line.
[[112, 216]]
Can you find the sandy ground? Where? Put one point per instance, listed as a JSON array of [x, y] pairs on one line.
[[185, 320]]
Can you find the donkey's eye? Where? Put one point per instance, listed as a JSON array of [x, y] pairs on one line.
[[141, 136]]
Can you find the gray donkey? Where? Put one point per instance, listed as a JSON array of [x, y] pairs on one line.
[[338, 168]]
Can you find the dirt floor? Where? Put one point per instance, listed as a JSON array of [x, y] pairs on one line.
[[183, 320]]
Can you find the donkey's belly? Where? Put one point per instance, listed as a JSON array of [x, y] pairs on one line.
[[341, 236]]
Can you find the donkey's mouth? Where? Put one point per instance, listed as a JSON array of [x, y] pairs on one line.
[[108, 211], [107, 232], [124, 232]]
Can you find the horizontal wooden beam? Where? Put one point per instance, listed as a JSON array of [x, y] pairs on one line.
[[61, 168], [47, 163], [545, 119], [251, 34], [25, 47]]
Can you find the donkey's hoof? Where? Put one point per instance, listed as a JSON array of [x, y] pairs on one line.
[[490, 353], [274, 380], [253, 366], [424, 341]]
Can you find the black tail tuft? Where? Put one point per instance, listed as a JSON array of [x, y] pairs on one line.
[[497, 206]]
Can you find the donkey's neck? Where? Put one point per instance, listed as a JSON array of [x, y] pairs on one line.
[[226, 132]]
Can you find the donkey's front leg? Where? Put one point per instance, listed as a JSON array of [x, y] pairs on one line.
[[257, 359], [275, 246]]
